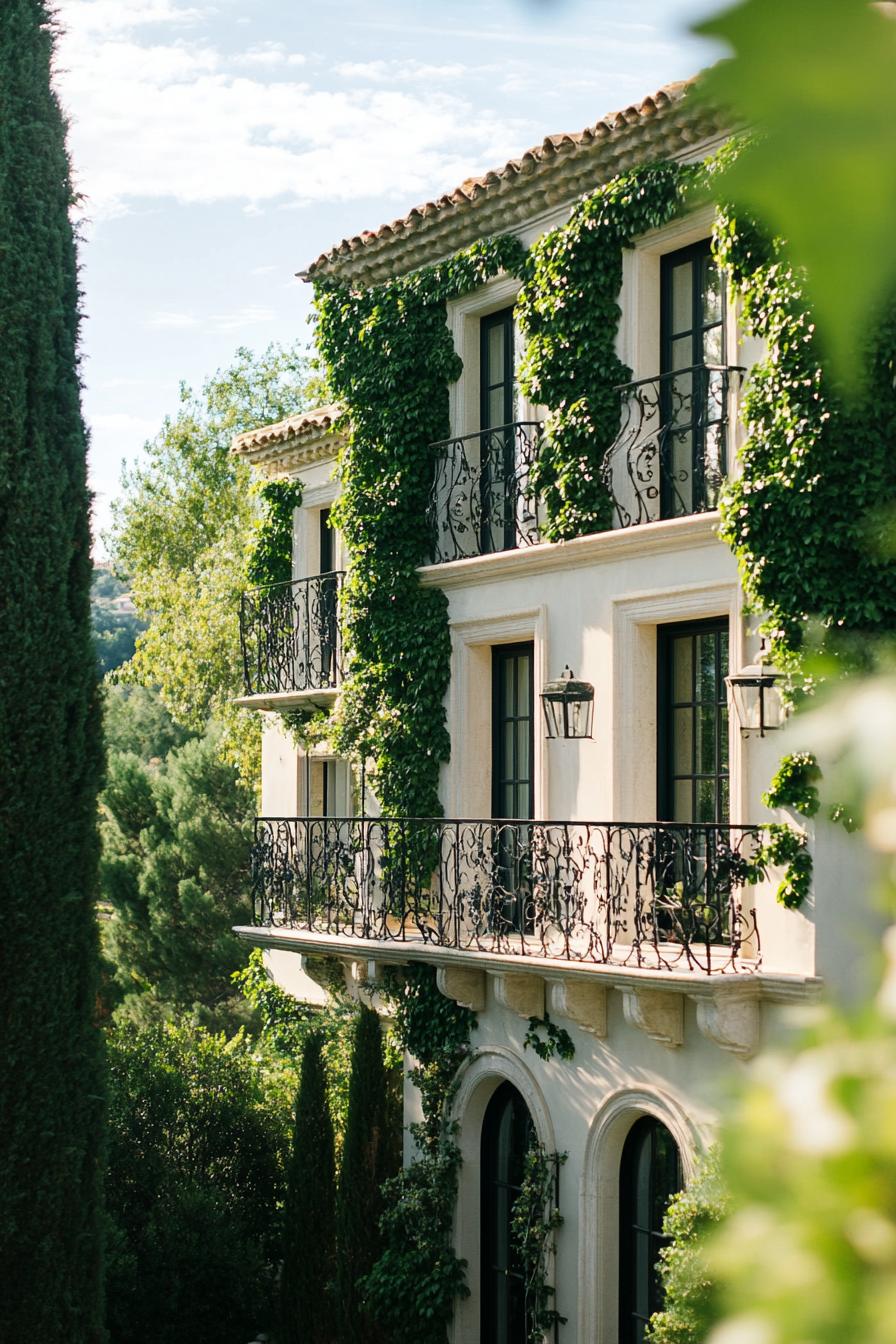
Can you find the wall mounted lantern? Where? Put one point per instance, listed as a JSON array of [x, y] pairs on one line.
[[756, 696], [568, 706]]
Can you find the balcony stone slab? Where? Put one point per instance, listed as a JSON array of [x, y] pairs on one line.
[[728, 1006]]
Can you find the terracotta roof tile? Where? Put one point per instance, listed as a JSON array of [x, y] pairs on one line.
[[549, 174]]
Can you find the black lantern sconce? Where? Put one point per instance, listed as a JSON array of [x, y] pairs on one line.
[[756, 696], [568, 706]]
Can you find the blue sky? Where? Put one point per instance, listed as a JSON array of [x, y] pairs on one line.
[[220, 147]]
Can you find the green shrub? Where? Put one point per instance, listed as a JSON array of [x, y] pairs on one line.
[[195, 1182], [690, 1293]]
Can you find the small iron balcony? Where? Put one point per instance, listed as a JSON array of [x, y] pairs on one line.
[[671, 454], [668, 460], [480, 500], [657, 896], [289, 636]]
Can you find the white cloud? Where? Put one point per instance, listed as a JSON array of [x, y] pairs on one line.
[[164, 119], [250, 316]]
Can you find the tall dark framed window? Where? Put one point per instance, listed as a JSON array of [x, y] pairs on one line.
[[507, 1133], [693, 385], [693, 764], [513, 756], [513, 730], [328, 593], [649, 1175], [496, 397]]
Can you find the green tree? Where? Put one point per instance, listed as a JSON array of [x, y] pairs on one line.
[[370, 1154], [115, 626], [175, 872], [183, 533], [136, 720], [52, 1074], [196, 1154], [307, 1307]]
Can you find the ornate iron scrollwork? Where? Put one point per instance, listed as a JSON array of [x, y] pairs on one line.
[[481, 500], [658, 896], [289, 636], [671, 454]]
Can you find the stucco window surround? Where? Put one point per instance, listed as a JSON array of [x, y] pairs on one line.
[[464, 315], [478, 1080], [633, 755], [306, 534], [598, 1306], [467, 779]]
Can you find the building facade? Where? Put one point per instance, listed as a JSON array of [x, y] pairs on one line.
[[597, 864]]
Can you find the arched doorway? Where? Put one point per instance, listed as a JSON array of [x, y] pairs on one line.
[[650, 1174], [507, 1132]]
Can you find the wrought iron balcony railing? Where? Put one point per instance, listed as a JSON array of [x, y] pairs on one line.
[[289, 635], [480, 500], [671, 455], [661, 896]]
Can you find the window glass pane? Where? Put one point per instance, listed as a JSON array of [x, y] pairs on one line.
[[682, 807], [724, 800], [706, 800], [496, 353], [682, 356], [708, 685], [706, 739], [683, 297], [496, 411], [683, 669], [523, 763], [712, 290], [682, 759], [712, 346], [522, 685]]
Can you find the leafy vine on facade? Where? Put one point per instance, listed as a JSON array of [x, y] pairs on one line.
[[569, 310], [533, 1225], [414, 1285], [269, 556], [390, 359]]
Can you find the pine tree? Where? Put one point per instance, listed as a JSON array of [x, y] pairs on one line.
[[307, 1307], [51, 1075], [369, 1156]]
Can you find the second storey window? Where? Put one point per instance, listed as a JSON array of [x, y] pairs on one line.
[[693, 381], [497, 451]]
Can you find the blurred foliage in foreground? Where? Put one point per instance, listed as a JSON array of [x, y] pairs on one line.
[[817, 81]]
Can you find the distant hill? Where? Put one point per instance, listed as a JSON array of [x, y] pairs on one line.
[[116, 624]]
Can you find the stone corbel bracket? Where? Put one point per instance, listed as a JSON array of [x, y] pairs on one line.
[[521, 994], [657, 1012], [464, 984], [581, 1002], [731, 1019]]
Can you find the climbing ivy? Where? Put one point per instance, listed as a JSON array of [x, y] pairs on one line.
[[412, 1288], [569, 309], [390, 359], [269, 554], [533, 1223], [795, 784], [804, 517], [554, 1040]]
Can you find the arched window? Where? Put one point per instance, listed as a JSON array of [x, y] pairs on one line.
[[507, 1132], [650, 1174]]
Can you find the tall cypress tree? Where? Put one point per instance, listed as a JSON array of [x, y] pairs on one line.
[[307, 1305], [51, 1067], [370, 1154]]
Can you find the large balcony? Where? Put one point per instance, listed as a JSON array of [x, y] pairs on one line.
[[290, 639], [668, 460], [658, 897]]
